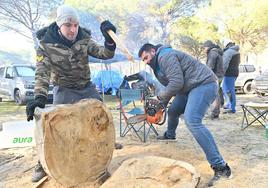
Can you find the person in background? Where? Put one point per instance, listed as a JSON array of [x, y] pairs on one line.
[[194, 87], [231, 61], [215, 63], [62, 57]]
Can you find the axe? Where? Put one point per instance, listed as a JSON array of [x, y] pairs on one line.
[[118, 42]]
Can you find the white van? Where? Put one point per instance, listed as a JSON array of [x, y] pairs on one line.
[[247, 73], [17, 83]]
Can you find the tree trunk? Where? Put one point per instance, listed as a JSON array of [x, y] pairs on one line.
[[36, 43], [75, 141]]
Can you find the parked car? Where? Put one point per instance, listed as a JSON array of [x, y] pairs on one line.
[[17, 82], [247, 73], [260, 84]]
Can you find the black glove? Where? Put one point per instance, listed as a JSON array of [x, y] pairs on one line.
[[106, 26], [39, 101], [163, 102]]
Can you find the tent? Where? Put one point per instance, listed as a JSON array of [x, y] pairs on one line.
[[107, 81]]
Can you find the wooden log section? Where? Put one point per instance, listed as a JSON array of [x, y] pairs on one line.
[[152, 172], [75, 141]]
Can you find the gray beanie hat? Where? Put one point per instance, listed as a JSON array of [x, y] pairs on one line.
[[66, 14]]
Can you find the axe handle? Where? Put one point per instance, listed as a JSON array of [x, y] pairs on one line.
[[118, 42], [121, 45]]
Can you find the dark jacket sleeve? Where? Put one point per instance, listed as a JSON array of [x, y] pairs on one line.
[[212, 59], [172, 69]]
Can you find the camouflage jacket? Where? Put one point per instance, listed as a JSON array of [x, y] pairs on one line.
[[62, 65]]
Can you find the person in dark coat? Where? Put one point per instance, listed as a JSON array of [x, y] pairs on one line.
[[194, 87], [215, 63], [231, 61]]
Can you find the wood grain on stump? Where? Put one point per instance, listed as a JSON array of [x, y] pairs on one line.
[[75, 141], [151, 172]]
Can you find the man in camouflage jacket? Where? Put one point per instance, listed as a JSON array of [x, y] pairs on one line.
[[62, 58]]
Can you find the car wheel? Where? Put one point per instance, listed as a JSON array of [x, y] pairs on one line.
[[18, 98], [247, 88]]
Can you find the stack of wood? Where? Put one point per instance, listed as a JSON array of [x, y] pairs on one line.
[[75, 141]]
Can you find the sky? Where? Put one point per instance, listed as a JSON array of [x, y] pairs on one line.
[[13, 42]]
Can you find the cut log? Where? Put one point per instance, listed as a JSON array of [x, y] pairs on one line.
[[75, 141], [151, 172]]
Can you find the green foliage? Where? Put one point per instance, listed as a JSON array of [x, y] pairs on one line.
[[165, 13], [126, 16], [184, 24], [138, 21], [189, 34], [244, 22]]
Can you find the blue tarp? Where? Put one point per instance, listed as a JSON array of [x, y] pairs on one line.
[[117, 58], [107, 80]]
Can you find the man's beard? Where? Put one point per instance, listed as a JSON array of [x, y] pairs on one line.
[[153, 62]]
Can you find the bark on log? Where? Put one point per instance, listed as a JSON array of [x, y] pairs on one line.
[[75, 141]]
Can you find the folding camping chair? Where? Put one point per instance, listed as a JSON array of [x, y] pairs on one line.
[[134, 117], [254, 113]]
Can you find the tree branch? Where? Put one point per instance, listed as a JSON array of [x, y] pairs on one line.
[[16, 30]]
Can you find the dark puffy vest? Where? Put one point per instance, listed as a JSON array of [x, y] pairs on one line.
[[233, 69]]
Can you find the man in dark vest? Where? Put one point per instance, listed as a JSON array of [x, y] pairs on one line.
[[231, 61]]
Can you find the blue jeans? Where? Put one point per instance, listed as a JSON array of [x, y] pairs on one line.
[[194, 106], [229, 86]]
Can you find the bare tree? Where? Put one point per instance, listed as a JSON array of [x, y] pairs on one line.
[[25, 17]]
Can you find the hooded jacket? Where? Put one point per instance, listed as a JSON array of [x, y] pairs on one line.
[[231, 61], [63, 62], [215, 61], [179, 72]]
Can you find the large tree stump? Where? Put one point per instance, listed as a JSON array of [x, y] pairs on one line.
[[151, 172], [75, 141]]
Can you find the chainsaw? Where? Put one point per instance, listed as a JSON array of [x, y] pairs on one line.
[[154, 110]]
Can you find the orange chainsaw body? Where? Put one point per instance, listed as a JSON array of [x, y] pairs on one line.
[[156, 118]]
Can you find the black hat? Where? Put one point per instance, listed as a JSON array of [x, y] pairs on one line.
[[208, 43], [230, 44]]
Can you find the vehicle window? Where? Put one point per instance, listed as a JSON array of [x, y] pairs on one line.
[[10, 72], [250, 68], [25, 71], [2, 72], [265, 72], [241, 69]]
